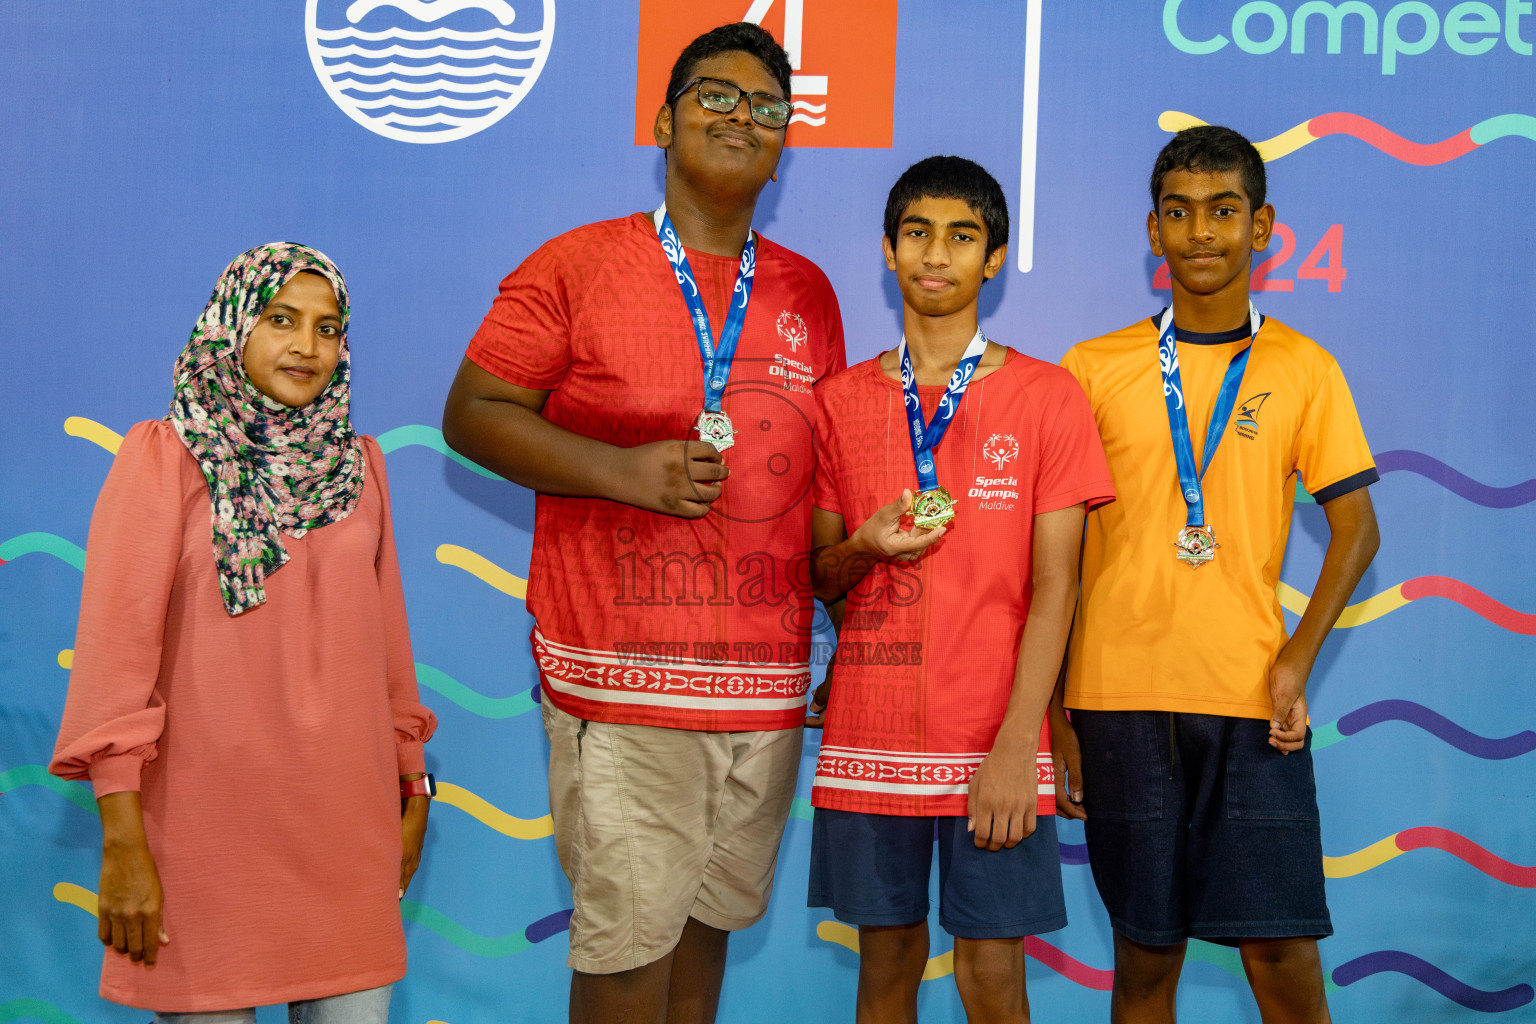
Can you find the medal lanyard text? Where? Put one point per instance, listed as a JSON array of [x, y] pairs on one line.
[[1178, 415], [926, 437], [717, 357]]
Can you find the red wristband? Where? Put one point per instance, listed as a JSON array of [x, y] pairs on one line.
[[425, 786]]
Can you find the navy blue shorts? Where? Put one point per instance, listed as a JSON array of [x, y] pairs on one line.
[[1198, 828], [872, 869]]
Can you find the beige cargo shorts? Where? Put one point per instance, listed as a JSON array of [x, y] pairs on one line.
[[654, 826]]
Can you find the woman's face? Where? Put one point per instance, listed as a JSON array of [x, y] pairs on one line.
[[292, 351]]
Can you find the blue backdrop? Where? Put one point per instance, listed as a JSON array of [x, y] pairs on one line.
[[146, 144]]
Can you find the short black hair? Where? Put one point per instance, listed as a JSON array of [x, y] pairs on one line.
[[1211, 149], [742, 36], [950, 177]]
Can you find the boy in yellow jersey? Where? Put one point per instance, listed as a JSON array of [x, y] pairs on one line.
[[1188, 700]]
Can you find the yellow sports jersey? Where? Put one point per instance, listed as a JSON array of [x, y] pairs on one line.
[[1155, 634]]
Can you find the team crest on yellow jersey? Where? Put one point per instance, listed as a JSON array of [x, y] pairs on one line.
[[1247, 425]]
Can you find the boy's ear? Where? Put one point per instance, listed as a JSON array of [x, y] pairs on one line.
[[1154, 237], [662, 129], [995, 261], [1263, 227], [890, 252]]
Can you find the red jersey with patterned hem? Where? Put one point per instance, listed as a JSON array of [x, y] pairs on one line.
[[641, 617], [927, 650]]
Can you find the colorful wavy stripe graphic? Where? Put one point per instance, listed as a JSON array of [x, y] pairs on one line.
[[410, 910], [418, 435], [1420, 970], [1224, 958], [938, 967], [1455, 481], [77, 793], [473, 701], [491, 816], [493, 575], [483, 569], [1428, 974], [1487, 748], [1368, 131], [1429, 837], [34, 1009], [407, 436], [90, 430], [76, 896], [944, 964], [477, 807], [42, 544], [1230, 960], [483, 945], [1393, 598], [1073, 854], [1407, 460]]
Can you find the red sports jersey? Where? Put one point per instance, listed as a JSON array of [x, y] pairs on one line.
[[927, 651], [647, 618]]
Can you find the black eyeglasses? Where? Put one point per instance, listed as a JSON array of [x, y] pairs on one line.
[[722, 97]]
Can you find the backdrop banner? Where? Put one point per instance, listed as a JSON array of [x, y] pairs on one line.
[[428, 146]]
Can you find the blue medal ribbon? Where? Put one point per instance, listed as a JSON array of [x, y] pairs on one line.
[[926, 437], [1178, 417], [717, 357]]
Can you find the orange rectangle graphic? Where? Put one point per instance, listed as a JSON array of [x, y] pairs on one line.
[[842, 55]]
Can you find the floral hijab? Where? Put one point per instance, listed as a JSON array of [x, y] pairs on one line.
[[271, 469]]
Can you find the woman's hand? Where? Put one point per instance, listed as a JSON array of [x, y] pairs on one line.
[[413, 833], [129, 901]]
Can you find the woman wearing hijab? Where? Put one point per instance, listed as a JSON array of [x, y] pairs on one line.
[[243, 697]]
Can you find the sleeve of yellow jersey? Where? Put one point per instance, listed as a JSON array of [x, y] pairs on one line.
[[1331, 452]]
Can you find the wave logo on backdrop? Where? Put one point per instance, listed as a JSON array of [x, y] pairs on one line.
[[843, 95], [428, 70]]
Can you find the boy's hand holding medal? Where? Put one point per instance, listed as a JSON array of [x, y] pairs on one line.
[[890, 532]]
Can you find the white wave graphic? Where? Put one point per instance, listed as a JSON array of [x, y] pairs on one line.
[[440, 102], [481, 71], [429, 34], [814, 108], [807, 119], [394, 85], [433, 10], [413, 81], [462, 53], [404, 121]]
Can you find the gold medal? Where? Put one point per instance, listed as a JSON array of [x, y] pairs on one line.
[[933, 508], [1196, 545]]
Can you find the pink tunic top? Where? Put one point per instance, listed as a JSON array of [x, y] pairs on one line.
[[267, 746]]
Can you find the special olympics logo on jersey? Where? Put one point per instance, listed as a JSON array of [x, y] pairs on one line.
[[793, 330], [426, 70], [1000, 449]]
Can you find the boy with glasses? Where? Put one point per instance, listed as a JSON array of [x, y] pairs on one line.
[[1188, 698], [650, 378], [955, 622]]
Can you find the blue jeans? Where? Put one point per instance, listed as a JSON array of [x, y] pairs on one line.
[[370, 1006]]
